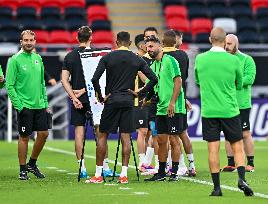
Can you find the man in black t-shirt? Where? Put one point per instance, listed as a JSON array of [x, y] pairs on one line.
[[121, 68]]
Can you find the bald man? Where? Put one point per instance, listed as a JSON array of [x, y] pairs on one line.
[[244, 103], [218, 74]]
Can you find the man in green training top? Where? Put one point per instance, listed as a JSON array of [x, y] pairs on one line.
[[25, 85], [2, 78], [219, 74], [171, 109], [244, 103]]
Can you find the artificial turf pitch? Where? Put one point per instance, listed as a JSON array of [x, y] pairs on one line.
[[58, 163]]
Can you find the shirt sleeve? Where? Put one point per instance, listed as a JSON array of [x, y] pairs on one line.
[[11, 78], [239, 76], [174, 68], [43, 84], [196, 71], [67, 63], [249, 71]]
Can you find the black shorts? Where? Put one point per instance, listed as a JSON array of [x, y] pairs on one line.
[[30, 120], [172, 126], [141, 117], [231, 127], [113, 118], [244, 116], [152, 109], [78, 117]]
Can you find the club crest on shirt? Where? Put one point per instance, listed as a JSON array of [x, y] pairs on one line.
[[141, 122], [36, 62]]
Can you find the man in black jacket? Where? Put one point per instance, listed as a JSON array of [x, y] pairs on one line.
[[121, 67]]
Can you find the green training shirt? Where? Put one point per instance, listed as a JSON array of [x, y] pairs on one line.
[[249, 73], [25, 82], [166, 70], [1, 74], [218, 75]]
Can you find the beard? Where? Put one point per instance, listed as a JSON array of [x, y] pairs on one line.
[[154, 54], [28, 48], [232, 51]]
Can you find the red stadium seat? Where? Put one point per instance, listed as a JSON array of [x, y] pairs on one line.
[[255, 4], [73, 37], [102, 37], [41, 36], [180, 24], [10, 3], [175, 11], [184, 46], [201, 25], [60, 37], [51, 3], [74, 3], [97, 12], [30, 3]]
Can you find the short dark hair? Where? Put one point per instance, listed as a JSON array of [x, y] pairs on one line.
[[152, 38], [178, 33], [150, 29], [138, 39], [84, 33], [123, 36], [24, 32], [169, 38]]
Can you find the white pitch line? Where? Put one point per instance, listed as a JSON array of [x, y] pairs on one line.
[[261, 195]]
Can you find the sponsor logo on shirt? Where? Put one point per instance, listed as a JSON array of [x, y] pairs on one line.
[[23, 67]]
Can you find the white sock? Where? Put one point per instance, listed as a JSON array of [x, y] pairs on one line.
[[149, 156], [83, 167], [156, 162], [105, 164], [123, 171], [191, 160], [169, 160], [98, 171], [182, 162], [141, 158]]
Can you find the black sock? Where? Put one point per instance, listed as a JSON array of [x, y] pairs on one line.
[[23, 167], [241, 172], [175, 166], [162, 168], [216, 180], [32, 162], [250, 160], [231, 161]]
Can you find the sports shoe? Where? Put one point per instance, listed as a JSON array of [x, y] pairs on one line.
[[191, 172], [95, 179], [149, 172], [156, 177], [35, 171], [144, 168], [109, 173], [83, 174], [173, 177], [23, 175], [228, 169], [216, 192], [242, 185], [182, 171], [250, 168], [123, 180]]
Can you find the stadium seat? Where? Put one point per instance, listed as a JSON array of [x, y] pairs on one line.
[[75, 23], [249, 37], [26, 12], [74, 3], [95, 2], [187, 37], [50, 12], [180, 24], [97, 12], [30, 3], [201, 25], [202, 38], [172, 2], [217, 3], [264, 37], [218, 11], [49, 3], [41, 36], [60, 37], [74, 12], [239, 11], [263, 24], [6, 12], [198, 12], [73, 39], [261, 13], [228, 24], [10, 3], [7, 24], [53, 24], [255, 4], [246, 24], [102, 37], [184, 46], [10, 36], [239, 3], [200, 3], [101, 25], [30, 23], [175, 11]]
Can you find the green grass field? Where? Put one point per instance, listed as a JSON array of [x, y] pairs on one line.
[[58, 163]]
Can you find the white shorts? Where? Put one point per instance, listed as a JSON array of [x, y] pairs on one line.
[[96, 109]]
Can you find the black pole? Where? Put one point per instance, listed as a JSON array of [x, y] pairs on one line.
[[116, 157], [135, 161]]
